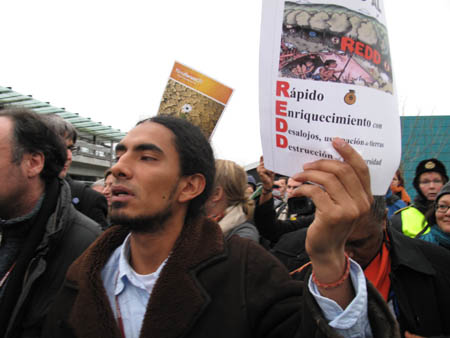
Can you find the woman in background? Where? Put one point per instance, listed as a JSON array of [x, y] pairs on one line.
[[398, 187], [229, 204], [439, 220]]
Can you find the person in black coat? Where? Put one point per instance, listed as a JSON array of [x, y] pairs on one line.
[[299, 211], [431, 176], [86, 200], [41, 233], [89, 202], [417, 279]]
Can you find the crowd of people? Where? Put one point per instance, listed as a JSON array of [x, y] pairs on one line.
[[172, 242]]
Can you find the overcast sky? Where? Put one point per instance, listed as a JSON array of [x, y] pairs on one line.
[[110, 60]]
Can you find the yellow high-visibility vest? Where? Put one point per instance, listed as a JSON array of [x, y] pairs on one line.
[[413, 221]]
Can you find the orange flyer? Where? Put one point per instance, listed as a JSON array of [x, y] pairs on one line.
[[195, 97], [200, 82]]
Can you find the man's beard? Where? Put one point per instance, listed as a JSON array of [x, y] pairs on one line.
[[143, 224]]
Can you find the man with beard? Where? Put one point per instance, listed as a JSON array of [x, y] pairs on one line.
[[431, 176], [166, 271]]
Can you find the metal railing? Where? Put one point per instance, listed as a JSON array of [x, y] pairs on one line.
[[97, 151]]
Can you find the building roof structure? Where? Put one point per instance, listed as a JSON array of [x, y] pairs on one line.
[[95, 141], [84, 125]]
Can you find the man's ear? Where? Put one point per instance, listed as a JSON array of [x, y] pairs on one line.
[[34, 164], [191, 187]]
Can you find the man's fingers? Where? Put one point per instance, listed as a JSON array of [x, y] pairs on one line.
[[261, 162], [347, 183], [326, 179], [353, 173], [332, 223], [337, 195], [260, 168], [265, 175], [351, 156], [320, 198], [338, 179]]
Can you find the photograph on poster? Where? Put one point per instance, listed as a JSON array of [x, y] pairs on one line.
[[324, 42]]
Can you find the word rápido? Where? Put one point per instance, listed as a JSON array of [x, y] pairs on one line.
[[306, 95]]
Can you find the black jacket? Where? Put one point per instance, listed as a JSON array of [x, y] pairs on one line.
[[420, 280], [271, 228], [209, 287], [68, 233], [89, 202]]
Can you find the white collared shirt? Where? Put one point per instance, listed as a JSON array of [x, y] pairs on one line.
[[131, 289], [354, 320]]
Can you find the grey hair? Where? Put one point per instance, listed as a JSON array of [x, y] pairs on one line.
[[99, 183], [378, 208], [61, 127]]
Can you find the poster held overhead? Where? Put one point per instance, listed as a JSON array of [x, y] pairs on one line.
[[325, 72], [195, 97]]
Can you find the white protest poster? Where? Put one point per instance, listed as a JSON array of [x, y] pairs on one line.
[[325, 71]]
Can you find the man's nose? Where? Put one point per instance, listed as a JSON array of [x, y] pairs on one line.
[[121, 169]]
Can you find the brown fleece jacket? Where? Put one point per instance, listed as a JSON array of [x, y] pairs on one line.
[[208, 288]]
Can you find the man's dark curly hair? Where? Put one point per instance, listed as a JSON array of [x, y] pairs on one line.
[[31, 135], [195, 153]]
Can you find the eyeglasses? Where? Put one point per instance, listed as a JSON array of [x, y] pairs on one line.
[[427, 182], [442, 208], [72, 148]]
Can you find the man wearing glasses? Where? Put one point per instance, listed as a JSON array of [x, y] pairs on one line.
[[430, 177], [86, 200]]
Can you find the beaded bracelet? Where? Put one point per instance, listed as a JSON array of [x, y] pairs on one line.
[[335, 284]]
